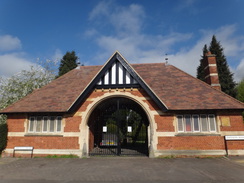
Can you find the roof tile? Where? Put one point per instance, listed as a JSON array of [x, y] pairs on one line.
[[175, 88]]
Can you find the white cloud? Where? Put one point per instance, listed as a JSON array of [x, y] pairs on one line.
[[12, 60], [90, 33], [141, 48], [239, 74], [9, 43], [101, 8], [12, 63], [57, 55], [125, 20]]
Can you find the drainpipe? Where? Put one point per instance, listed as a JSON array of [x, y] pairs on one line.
[[226, 147]]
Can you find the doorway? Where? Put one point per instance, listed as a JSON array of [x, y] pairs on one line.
[[118, 127]]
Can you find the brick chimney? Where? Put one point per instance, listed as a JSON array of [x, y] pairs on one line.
[[211, 71]]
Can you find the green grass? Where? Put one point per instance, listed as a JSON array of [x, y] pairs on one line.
[[59, 156], [167, 157]]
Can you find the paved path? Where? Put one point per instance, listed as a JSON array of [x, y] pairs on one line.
[[125, 169]]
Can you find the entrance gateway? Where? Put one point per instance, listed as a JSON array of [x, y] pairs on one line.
[[118, 126]]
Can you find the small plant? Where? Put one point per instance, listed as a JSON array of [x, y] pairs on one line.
[[167, 157], [62, 156]]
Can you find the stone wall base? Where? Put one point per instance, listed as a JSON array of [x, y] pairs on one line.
[[236, 152], [182, 153], [42, 152]]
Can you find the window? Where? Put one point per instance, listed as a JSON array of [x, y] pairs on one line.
[[45, 124], [204, 123], [180, 124], [196, 123]]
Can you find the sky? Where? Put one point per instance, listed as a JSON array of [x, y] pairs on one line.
[[143, 31]]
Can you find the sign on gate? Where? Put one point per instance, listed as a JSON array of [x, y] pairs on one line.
[[129, 128], [104, 129]]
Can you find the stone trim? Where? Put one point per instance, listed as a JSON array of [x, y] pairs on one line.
[[64, 134], [190, 153], [46, 152], [235, 152], [224, 133]]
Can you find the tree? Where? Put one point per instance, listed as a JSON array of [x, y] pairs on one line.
[[225, 76], [16, 87], [200, 68], [240, 91], [68, 62]]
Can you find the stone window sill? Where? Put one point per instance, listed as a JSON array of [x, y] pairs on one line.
[[43, 135], [197, 134]]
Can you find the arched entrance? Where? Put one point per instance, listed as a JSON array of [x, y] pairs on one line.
[[118, 126]]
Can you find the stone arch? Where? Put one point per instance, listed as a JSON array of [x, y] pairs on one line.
[[84, 128]]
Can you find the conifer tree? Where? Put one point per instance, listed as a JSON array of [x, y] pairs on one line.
[[225, 76], [200, 68], [68, 62]]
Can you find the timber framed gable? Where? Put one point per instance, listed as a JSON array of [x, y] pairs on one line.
[[117, 73]]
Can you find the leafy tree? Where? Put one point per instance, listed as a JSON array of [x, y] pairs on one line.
[[200, 68], [225, 76], [240, 91], [68, 62], [18, 86]]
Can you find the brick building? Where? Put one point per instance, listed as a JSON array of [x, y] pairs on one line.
[[119, 108]]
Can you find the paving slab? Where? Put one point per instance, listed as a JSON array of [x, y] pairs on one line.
[[122, 169]]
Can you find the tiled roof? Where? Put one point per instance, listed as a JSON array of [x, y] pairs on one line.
[[181, 91], [175, 88], [57, 96]]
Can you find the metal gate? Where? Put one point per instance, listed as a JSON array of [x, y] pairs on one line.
[[119, 128]]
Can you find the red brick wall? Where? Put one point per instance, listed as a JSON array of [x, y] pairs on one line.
[[164, 123], [16, 123], [235, 144], [72, 124], [236, 123], [191, 143], [41, 142]]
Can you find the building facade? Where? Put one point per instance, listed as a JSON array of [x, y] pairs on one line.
[[128, 109]]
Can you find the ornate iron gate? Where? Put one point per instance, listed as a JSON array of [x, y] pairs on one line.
[[119, 128]]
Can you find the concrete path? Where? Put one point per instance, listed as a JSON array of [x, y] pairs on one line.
[[122, 169]]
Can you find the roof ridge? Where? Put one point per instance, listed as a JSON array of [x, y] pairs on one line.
[[158, 63], [220, 91]]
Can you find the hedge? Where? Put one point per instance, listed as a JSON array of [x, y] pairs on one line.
[[3, 136]]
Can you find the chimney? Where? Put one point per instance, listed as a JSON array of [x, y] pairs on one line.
[[211, 71]]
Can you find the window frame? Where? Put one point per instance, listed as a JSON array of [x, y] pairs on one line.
[[182, 124], [214, 122], [47, 120], [29, 123], [198, 122], [185, 119]]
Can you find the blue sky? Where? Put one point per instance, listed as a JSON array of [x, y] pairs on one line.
[[142, 31]]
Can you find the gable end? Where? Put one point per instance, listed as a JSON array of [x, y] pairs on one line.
[[100, 81]]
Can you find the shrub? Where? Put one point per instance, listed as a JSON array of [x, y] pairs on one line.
[[3, 136]]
